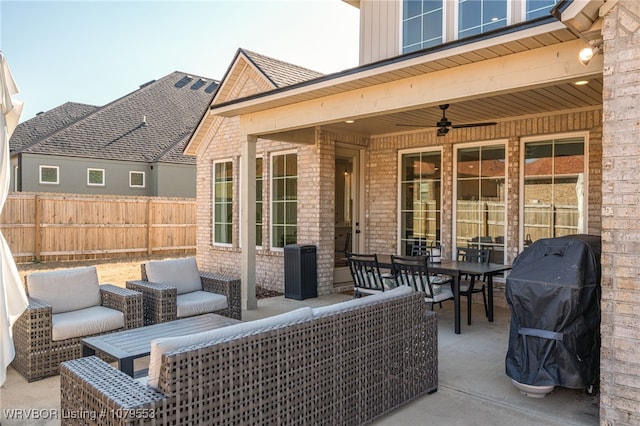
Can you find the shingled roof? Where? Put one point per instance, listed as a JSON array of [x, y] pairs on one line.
[[278, 72], [46, 123], [150, 124]]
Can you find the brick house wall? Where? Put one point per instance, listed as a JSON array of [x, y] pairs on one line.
[[382, 172], [620, 327]]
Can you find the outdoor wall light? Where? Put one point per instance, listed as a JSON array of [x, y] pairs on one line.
[[588, 53]]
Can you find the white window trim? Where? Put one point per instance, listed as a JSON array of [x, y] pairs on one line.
[[399, 188], [454, 224], [585, 201], [104, 179], [43, 166], [213, 202], [144, 179], [271, 157]]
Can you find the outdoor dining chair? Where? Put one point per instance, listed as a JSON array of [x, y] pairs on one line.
[[366, 275], [414, 272], [471, 284], [420, 248]]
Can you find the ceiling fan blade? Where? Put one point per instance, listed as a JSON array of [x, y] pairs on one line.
[[461, 126]]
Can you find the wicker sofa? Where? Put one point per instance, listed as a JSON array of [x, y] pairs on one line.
[[64, 307], [174, 288], [343, 364]]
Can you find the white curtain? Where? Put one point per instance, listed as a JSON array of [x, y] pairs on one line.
[[13, 299]]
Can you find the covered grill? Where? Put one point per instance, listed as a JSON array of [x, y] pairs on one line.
[[553, 291]]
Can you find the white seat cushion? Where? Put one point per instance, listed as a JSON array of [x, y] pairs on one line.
[[168, 344], [85, 322], [67, 289], [444, 294], [199, 302], [179, 273]]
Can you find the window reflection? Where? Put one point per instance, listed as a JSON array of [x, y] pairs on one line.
[[553, 188]]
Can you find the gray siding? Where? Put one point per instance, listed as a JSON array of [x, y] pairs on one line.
[[73, 177], [175, 180]]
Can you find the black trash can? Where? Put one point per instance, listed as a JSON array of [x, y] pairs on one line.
[[554, 292], [300, 272]]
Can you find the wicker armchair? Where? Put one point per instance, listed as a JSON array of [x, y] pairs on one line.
[[64, 307], [175, 289]]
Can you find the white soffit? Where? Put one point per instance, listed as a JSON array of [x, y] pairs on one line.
[[390, 70]]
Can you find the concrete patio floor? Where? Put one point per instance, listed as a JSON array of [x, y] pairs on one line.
[[473, 387]]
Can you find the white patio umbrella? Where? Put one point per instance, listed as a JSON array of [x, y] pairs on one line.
[[13, 300]]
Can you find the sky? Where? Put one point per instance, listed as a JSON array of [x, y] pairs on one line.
[[96, 51]]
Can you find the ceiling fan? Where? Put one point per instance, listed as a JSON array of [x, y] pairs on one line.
[[444, 125]]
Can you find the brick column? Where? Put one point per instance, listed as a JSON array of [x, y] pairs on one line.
[[620, 363]]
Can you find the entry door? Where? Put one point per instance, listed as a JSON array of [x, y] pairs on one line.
[[348, 232]]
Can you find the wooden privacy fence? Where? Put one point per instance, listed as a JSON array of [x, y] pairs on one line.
[[53, 227], [540, 220]]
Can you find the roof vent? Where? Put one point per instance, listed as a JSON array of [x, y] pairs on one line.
[[147, 83], [144, 120]]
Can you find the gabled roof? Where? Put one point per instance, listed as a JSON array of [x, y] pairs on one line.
[[280, 73], [146, 125], [47, 123], [277, 74]]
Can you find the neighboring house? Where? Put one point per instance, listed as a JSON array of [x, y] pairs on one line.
[[131, 146], [359, 151]]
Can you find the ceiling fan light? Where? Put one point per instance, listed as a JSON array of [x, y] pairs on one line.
[[442, 131]]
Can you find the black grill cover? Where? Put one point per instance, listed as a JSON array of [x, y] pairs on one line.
[[553, 291]]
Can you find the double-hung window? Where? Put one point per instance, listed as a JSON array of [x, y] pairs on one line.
[[420, 195], [222, 202], [480, 193], [259, 203], [284, 199], [554, 187]]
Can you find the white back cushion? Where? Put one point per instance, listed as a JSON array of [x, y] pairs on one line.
[[179, 273], [66, 289], [167, 344]]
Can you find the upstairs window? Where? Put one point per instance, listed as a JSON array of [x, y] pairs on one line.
[[422, 24], [480, 16], [537, 8]]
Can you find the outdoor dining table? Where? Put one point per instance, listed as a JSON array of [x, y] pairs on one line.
[[456, 269]]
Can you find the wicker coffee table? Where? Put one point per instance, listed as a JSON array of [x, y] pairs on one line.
[[128, 345]]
